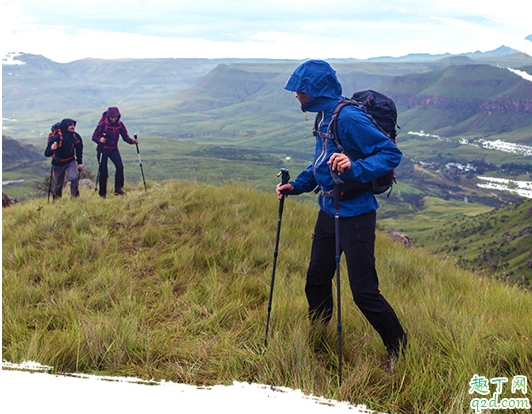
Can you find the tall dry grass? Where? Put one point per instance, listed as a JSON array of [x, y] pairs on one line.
[[174, 285]]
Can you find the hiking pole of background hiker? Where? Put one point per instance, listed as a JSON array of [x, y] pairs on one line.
[[140, 162], [98, 175], [285, 177], [50, 185], [79, 179], [337, 258], [51, 176]]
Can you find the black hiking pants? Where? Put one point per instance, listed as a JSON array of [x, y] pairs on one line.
[[357, 242], [115, 157]]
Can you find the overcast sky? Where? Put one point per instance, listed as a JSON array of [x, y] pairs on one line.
[[67, 30]]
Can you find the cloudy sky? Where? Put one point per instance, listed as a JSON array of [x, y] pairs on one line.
[[67, 30]]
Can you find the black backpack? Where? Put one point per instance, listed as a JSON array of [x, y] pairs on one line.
[[382, 112], [56, 131]]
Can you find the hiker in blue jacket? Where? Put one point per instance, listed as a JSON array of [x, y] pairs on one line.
[[65, 146], [371, 155]]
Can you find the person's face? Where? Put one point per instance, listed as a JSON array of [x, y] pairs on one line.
[[303, 98], [71, 127], [113, 119]]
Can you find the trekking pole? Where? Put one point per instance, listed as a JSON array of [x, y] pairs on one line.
[[99, 167], [140, 162], [285, 177], [50, 185], [337, 242]]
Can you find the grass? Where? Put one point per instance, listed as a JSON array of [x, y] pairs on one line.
[[174, 285]]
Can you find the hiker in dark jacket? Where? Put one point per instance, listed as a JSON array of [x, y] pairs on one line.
[[318, 90], [107, 135], [65, 146]]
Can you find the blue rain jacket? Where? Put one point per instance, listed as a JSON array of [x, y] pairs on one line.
[[371, 153]]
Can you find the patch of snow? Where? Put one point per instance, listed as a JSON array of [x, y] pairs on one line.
[[9, 59], [521, 188], [497, 145]]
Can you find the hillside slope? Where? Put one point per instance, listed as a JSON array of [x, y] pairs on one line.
[[16, 155], [497, 243], [174, 284]]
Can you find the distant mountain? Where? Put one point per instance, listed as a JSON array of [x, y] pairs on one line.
[[426, 57], [245, 102], [463, 100], [39, 85], [39, 91], [236, 102]]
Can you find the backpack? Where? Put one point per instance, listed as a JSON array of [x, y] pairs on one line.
[[56, 131], [382, 112], [104, 115]]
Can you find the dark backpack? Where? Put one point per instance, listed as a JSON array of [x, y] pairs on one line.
[[104, 115], [382, 112], [56, 134]]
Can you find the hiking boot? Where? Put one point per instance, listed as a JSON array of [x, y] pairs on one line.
[[102, 195], [395, 350], [119, 191], [389, 365]]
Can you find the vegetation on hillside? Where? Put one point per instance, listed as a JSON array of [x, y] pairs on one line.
[[496, 243], [173, 284]]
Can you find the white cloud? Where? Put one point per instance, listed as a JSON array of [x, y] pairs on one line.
[[487, 37]]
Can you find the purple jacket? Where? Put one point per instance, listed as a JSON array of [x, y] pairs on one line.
[[110, 131]]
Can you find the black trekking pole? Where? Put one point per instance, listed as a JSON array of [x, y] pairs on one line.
[[99, 168], [50, 185], [140, 162], [337, 242], [285, 177]]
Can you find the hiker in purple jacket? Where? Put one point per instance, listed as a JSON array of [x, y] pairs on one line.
[[106, 135]]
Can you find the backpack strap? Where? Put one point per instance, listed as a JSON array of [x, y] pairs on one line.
[[59, 144], [333, 128], [347, 191], [53, 134]]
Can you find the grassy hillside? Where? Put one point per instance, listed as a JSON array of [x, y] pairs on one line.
[[174, 284], [497, 242]]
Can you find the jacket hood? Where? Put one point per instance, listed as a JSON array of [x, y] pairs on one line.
[[113, 112], [65, 123], [317, 79]]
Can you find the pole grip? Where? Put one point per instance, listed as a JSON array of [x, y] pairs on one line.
[[285, 177]]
